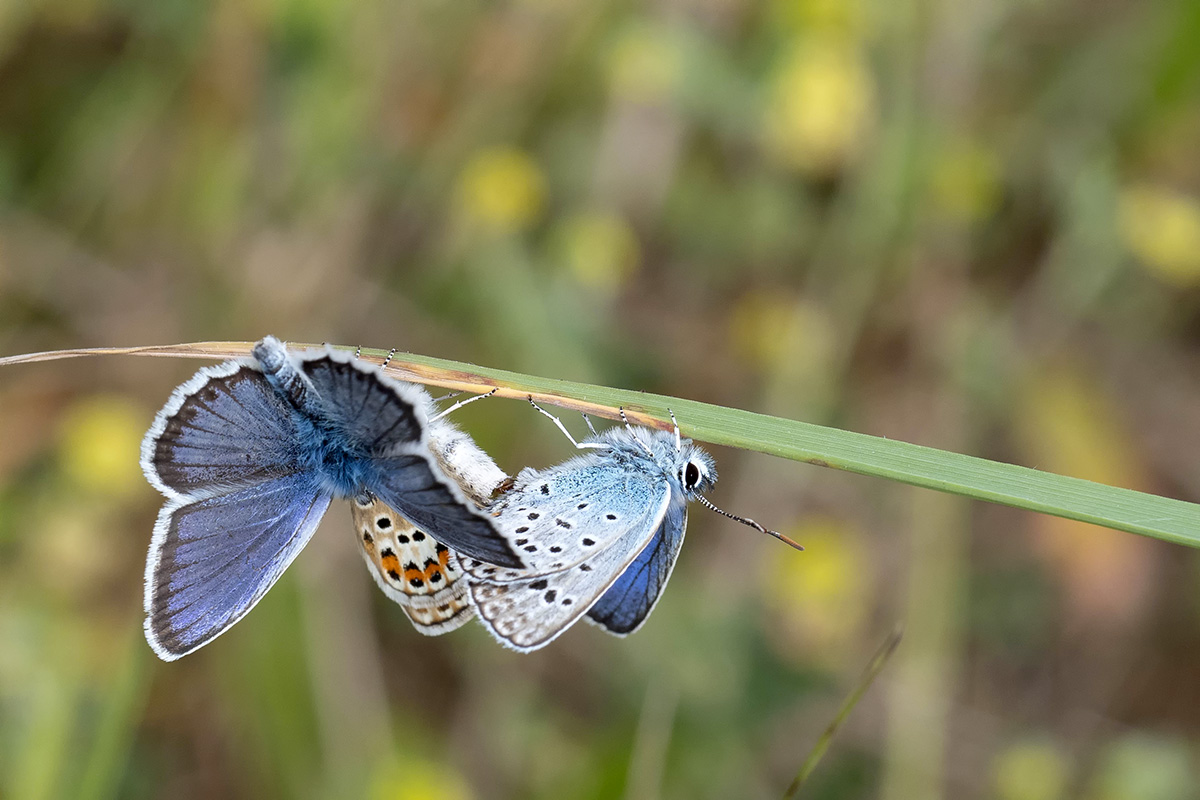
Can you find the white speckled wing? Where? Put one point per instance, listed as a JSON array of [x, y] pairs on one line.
[[560, 517], [530, 613]]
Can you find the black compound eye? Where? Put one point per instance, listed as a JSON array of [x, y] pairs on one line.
[[691, 475]]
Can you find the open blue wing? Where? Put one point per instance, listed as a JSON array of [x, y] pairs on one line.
[[628, 602], [225, 427], [212, 559], [375, 413], [383, 422]]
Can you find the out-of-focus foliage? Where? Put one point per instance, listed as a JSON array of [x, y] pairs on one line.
[[971, 225]]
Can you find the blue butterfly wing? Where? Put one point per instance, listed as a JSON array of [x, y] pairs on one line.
[[212, 559], [385, 421], [225, 427], [437, 506], [628, 602], [375, 413]]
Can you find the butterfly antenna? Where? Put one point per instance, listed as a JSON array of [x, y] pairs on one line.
[[388, 360], [678, 441], [357, 352], [746, 521], [462, 403], [633, 433], [567, 433]]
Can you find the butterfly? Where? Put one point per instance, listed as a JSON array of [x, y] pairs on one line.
[[250, 453], [419, 573], [599, 534]]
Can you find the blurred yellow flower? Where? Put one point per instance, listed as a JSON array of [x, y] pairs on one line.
[[965, 183], [502, 188], [1064, 423], [818, 599], [645, 65], [844, 16], [769, 328], [599, 249], [100, 445], [419, 779], [1033, 769], [820, 102], [1162, 228]]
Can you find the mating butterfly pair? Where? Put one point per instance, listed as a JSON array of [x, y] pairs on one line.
[[250, 453]]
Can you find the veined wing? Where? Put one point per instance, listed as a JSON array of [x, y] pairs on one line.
[[225, 427], [211, 560]]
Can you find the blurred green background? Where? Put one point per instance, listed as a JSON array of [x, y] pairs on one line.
[[973, 225]]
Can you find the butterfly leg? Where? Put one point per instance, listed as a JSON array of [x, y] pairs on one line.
[[678, 441], [591, 427], [567, 433], [462, 403], [633, 433]]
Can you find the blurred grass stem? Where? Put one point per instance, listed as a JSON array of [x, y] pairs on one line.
[[874, 667]]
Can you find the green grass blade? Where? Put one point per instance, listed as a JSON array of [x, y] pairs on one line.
[[1021, 487]]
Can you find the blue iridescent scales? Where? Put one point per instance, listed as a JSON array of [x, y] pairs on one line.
[[250, 453]]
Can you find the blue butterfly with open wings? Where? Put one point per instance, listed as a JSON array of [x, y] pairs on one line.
[[249, 454]]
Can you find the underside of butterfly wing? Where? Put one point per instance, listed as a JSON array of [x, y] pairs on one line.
[[560, 517], [528, 614], [418, 573]]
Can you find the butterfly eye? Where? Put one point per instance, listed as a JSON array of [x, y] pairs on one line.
[[691, 475]]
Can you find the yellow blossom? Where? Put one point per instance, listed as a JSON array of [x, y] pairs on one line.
[[1064, 423], [599, 249], [820, 101], [100, 446], [965, 183], [769, 328], [502, 188], [1030, 770], [419, 779], [1162, 228], [644, 65], [819, 598], [844, 16]]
